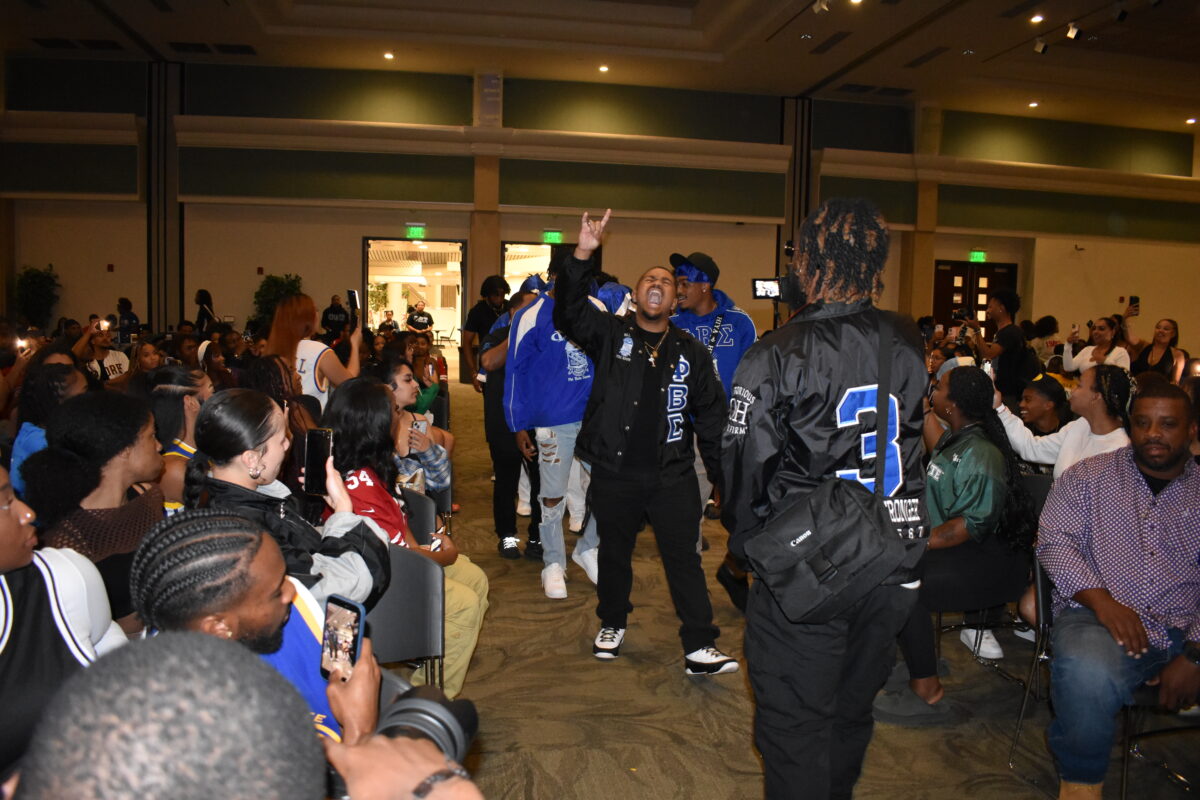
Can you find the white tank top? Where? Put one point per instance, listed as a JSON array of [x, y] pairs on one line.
[[308, 353]]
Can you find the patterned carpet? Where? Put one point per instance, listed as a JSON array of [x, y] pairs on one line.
[[558, 723]]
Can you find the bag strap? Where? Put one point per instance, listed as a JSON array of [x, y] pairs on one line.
[[716, 332], [882, 400]]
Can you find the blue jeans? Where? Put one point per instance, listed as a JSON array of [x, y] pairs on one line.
[[556, 452], [1091, 678]]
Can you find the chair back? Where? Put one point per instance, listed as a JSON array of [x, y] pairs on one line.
[[440, 409], [408, 622], [422, 515]]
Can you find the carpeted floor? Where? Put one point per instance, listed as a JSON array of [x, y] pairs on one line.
[[558, 723]]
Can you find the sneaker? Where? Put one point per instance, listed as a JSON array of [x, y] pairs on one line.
[[523, 509], [709, 661], [533, 550], [508, 547], [608, 643], [988, 646], [1028, 634], [590, 562], [554, 582]]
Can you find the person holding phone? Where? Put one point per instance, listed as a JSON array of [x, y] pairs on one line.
[[360, 415], [95, 348], [241, 442], [1106, 347], [1161, 354], [415, 439]]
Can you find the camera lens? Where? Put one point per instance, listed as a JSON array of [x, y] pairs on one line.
[[424, 712]]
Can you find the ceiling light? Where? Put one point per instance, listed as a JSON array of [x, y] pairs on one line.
[[604, 67], [389, 55], [968, 52], [1072, 30], [1034, 104], [423, 246], [820, 5], [437, 274], [855, 2], [1039, 46], [1036, 18], [1191, 121]]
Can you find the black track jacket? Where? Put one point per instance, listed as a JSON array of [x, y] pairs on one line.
[[693, 398], [803, 410]]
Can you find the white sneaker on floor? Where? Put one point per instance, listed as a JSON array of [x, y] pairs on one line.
[[1028, 634], [709, 661], [589, 561], [523, 509], [608, 643], [988, 646], [554, 582]]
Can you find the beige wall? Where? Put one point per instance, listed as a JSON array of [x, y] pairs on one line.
[[81, 239], [1077, 285]]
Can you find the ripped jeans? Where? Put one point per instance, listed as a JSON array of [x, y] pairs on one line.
[[556, 452]]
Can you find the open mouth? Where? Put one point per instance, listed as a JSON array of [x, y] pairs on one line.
[[654, 297]]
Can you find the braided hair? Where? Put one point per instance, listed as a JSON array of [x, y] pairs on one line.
[[973, 392], [230, 423], [843, 248], [191, 564], [1113, 385]]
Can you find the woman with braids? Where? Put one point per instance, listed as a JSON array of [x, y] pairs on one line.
[[241, 442], [92, 487], [1100, 401], [175, 394], [980, 542], [360, 414], [221, 574], [1107, 347]]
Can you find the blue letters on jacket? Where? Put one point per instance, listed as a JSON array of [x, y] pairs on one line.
[[736, 336], [547, 379]]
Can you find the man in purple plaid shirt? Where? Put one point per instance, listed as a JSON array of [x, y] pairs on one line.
[[1120, 538]]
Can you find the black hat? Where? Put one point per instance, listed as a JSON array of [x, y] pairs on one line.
[[701, 261]]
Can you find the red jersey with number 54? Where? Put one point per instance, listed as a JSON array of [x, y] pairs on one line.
[[373, 500]]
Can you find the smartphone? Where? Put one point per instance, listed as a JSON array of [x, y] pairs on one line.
[[104, 324], [352, 296], [422, 425], [318, 444], [1135, 299], [342, 641], [21, 345], [765, 288]]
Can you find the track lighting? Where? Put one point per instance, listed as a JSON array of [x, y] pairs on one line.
[[1039, 46], [1072, 30]]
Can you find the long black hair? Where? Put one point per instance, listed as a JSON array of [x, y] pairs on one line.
[[230, 423], [42, 391], [843, 247], [972, 391], [191, 564], [166, 387], [83, 435], [360, 414]]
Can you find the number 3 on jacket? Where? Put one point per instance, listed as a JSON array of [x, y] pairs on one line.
[[860, 400]]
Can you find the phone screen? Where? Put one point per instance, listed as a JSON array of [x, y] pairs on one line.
[[1135, 300], [766, 288], [352, 294], [342, 639], [318, 444]]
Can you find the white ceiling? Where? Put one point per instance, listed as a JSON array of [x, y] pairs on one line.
[[974, 55]]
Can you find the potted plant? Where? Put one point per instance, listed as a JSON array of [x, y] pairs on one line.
[[273, 289], [36, 295]]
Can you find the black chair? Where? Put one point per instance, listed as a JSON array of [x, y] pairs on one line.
[[1134, 715], [444, 499], [422, 515], [408, 622]]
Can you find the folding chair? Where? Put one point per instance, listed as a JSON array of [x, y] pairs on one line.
[[408, 622]]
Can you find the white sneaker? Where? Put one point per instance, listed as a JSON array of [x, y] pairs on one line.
[[590, 562], [1028, 634], [608, 643], [523, 509], [988, 646], [709, 661], [554, 582]]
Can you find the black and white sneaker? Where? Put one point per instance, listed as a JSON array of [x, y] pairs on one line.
[[533, 550], [508, 547], [608, 643], [708, 661]]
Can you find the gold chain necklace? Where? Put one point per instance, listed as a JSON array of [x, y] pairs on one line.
[[652, 352]]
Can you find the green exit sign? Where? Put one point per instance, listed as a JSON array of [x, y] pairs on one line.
[[552, 237], [978, 256], [414, 230]]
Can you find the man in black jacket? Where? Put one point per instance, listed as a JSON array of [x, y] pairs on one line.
[[802, 412], [654, 386]]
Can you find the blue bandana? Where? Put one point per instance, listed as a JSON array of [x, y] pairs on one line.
[[692, 274]]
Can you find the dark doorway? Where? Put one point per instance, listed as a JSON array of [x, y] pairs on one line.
[[966, 285]]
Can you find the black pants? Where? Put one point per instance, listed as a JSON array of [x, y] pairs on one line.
[[813, 689], [507, 464], [619, 504]]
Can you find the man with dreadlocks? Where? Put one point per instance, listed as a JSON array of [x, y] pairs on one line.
[[979, 544], [801, 412]]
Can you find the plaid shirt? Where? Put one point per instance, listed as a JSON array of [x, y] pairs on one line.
[[1102, 528]]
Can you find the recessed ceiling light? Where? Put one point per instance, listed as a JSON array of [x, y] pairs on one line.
[[389, 55], [855, 2], [1034, 104], [1036, 18], [806, 36], [1191, 121], [423, 246], [968, 52], [604, 67]]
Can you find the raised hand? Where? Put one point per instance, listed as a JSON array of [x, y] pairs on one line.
[[590, 234]]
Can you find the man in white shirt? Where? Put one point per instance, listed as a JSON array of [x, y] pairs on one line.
[[95, 347]]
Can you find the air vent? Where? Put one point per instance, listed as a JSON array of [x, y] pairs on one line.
[[1020, 9], [892, 91], [100, 44], [235, 49], [925, 58], [56, 44], [830, 43], [190, 47], [856, 88]]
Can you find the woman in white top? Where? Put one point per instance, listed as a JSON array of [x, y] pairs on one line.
[[294, 322], [1100, 401], [1106, 347]]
